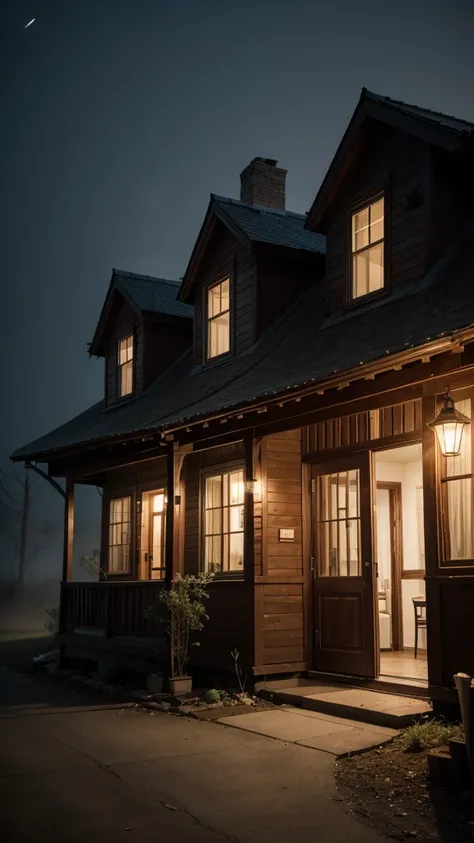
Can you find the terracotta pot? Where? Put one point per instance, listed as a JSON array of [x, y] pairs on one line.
[[180, 685]]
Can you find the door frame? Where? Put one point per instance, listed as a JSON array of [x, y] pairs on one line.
[[394, 489], [364, 461]]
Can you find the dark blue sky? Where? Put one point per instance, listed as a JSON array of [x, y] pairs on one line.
[[120, 116]]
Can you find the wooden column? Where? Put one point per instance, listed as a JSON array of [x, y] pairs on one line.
[[174, 524], [170, 512], [249, 548], [68, 547], [431, 528]]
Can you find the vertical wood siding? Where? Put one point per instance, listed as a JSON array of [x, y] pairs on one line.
[[279, 599]]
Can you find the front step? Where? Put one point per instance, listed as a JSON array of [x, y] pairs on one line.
[[380, 709]]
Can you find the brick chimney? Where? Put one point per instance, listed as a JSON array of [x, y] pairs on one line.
[[263, 183]]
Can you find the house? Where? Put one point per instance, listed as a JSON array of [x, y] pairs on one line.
[[269, 420]]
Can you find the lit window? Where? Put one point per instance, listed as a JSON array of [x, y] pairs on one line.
[[224, 522], [119, 536], [458, 495], [218, 319], [125, 365], [368, 249]]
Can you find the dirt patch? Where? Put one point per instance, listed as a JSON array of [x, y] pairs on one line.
[[388, 788]]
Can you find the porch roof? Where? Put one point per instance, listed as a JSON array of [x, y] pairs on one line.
[[302, 349]]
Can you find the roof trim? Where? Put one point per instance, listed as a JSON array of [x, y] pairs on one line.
[[392, 113], [206, 231]]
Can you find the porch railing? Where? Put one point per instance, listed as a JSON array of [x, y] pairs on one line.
[[111, 608]]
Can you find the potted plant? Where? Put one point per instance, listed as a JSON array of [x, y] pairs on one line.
[[186, 614]]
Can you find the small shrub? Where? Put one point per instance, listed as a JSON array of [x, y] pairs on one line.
[[212, 696], [428, 734]]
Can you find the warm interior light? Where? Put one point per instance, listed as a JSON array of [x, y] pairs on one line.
[[449, 425], [158, 503]]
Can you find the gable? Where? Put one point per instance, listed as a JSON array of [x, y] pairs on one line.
[[429, 127]]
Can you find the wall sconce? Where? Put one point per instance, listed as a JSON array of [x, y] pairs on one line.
[[449, 425], [253, 486]]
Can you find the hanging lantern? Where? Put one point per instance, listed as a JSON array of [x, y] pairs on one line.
[[449, 425]]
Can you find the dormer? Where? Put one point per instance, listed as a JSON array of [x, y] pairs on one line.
[[142, 330], [397, 192], [251, 261]]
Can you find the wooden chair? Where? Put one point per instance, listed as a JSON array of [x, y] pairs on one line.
[[419, 605]]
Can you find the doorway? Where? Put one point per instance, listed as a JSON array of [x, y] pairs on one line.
[[153, 535], [400, 558]]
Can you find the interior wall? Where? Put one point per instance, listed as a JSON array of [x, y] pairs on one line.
[[410, 476]]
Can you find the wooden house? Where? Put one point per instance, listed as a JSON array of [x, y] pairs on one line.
[[268, 420]]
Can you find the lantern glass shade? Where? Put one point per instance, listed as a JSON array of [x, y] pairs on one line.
[[449, 425]]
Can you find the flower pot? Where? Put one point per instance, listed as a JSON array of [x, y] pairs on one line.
[[180, 685], [154, 683]]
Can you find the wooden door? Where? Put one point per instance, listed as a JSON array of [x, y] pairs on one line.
[[345, 635]]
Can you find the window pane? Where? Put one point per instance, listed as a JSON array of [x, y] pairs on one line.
[[360, 281], [218, 298], [219, 335], [360, 230], [459, 497], [375, 267], [225, 288], [236, 519], [376, 221], [236, 480], [213, 558], [126, 350], [213, 491], [462, 463], [213, 522], [339, 524], [119, 535], [236, 561]]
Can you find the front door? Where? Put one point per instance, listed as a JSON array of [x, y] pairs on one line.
[[344, 581]]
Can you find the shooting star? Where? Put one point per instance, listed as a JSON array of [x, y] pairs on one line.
[[29, 24]]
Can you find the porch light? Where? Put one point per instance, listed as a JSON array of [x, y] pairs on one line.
[[158, 503], [254, 486], [449, 425]]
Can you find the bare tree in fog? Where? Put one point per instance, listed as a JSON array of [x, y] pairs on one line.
[[15, 523]]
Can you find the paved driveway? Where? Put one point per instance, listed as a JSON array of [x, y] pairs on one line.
[[74, 770]]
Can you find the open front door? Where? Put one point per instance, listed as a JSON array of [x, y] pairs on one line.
[[345, 639]]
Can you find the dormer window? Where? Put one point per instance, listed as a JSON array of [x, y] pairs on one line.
[[367, 257], [218, 319], [125, 366]]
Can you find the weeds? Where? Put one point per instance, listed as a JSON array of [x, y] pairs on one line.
[[428, 734]]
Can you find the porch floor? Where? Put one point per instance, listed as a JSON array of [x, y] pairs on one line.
[[403, 664], [389, 710]]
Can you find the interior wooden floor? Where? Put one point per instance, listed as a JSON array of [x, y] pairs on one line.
[[403, 665]]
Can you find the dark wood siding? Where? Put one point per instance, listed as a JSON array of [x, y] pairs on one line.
[[280, 591], [280, 281], [398, 165], [164, 341], [226, 256], [451, 192]]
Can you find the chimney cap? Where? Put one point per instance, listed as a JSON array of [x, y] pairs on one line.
[[272, 162]]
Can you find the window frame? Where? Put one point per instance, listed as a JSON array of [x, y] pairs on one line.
[[445, 556], [117, 497], [120, 340], [219, 471], [382, 192], [215, 282]]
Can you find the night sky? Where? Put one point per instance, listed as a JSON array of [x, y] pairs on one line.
[[119, 117]]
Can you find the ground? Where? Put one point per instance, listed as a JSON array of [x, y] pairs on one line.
[[76, 769], [388, 788]]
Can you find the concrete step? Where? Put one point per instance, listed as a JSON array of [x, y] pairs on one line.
[[379, 709]]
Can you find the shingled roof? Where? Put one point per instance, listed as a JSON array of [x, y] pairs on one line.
[[145, 294], [455, 124], [304, 349], [157, 295], [268, 225]]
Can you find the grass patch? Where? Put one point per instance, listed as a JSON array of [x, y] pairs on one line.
[[428, 734]]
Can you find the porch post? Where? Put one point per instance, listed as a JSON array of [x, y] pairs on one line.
[[68, 547], [174, 524], [249, 546]]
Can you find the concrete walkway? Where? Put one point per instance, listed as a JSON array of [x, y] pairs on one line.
[[74, 771], [329, 734]]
